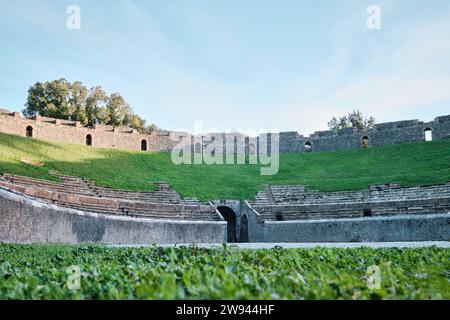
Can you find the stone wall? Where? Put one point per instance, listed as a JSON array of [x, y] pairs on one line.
[[73, 132], [109, 136], [24, 220], [293, 202], [385, 229], [382, 134]]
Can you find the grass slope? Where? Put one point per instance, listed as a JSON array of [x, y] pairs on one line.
[[40, 272], [408, 164]]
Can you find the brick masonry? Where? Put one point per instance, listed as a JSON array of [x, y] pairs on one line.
[[159, 140]]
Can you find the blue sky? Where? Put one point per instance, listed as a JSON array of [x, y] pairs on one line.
[[286, 65]]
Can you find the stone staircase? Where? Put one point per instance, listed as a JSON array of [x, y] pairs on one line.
[[292, 202], [84, 195]]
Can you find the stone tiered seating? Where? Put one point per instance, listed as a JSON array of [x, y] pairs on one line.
[[284, 213], [162, 193], [185, 212], [294, 203], [396, 192], [297, 194], [98, 208], [78, 194], [74, 184]]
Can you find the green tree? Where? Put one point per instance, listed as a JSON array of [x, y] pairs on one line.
[[73, 101], [96, 102], [354, 119], [36, 103], [77, 102], [118, 110]]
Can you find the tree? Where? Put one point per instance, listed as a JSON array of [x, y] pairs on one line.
[[36, 100], [96, 102], [118, 110], [77, 102], [73, 101], [352, 120], [137, 122], [50, 99]]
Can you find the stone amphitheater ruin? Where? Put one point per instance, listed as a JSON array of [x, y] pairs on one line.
[[78, 211]]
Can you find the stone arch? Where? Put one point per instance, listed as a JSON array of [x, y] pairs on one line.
[[279, 216], [88, 140], [428, 134], [365, 142], [230, 217], [243, 234], [29, 131], [367, 212], [143, 145], [308, 146]]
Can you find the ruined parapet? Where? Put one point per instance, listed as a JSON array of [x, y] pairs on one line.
[[161, 140], [387, 133]]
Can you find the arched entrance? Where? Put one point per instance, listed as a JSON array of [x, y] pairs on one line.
[[365, 142], [89, 140], [230, 217], [144, 145], [308, 146], [29, 131], [428, 134], [243, 235]]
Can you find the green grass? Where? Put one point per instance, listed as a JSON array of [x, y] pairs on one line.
[[408, 164], [41, 272]]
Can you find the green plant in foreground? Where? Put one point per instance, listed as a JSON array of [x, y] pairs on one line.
[[41, 272]]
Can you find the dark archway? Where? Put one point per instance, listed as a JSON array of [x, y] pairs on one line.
[[428, 134], [230, 217], [367, 212], [29, 131], [279, 216], [308, 146], [89, 140], [365, 142], [144, 145], [243, 234]]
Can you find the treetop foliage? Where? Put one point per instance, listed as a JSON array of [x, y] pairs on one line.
[[354, 119], [62, 99]]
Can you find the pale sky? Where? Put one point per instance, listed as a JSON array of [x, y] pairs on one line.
[[236, 64]]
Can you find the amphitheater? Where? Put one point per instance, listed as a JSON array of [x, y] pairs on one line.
[[77, 210]]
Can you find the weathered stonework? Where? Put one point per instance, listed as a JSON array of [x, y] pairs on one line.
[[121, 137], [72, 132], [77, 211], [382, 134], [24, 220]]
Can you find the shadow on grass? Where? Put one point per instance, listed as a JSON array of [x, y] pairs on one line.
[[407, 164]]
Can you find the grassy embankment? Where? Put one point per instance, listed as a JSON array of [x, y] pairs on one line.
[[408, 164]]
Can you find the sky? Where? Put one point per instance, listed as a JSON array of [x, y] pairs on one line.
[[236, 64]]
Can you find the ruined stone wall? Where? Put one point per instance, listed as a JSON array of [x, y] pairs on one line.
[[73, 132], [24, 220], [109, 136], [382, 134], [377, 229]]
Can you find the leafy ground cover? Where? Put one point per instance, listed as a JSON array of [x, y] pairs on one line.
[[408, 164], [44, 272]]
